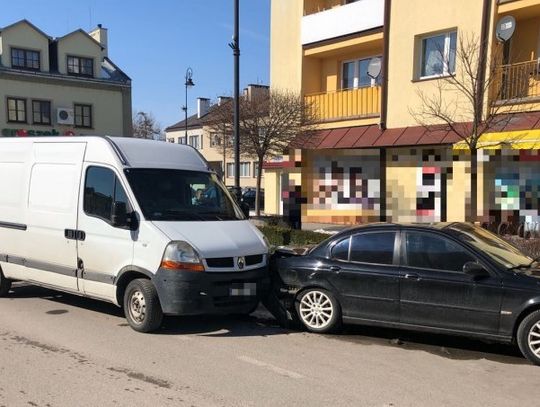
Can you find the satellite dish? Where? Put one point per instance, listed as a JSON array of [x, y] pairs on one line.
[[374, 67], [506, 27]]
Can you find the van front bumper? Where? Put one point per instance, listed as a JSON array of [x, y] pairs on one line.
[[196, 293]]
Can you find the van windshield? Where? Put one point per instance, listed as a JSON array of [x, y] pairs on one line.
[[179, 195]]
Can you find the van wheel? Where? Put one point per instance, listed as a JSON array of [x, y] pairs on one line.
[[5, 285], [141, 306], [318, 310]]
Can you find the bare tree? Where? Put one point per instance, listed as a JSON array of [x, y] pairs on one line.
[[269, 123], [457, 101], [145, 126]]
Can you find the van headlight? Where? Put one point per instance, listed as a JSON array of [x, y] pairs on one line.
[[181, 256]]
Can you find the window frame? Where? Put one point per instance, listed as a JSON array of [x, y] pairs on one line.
[[230, 173], [26, 51], [17, 120], [404, 252], [79, 65], [356, 77], [396, 258], [117, 180], [41, 122], [446, 54], [245, 164], [83, 105]]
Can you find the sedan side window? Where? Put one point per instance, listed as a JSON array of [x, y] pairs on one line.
[[429, 251], [374, 247], [341, 250]]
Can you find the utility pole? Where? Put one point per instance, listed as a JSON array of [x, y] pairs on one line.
[[235, 45]]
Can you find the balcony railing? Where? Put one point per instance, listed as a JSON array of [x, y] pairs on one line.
[[517, 82], [348, 19], [345, 104]]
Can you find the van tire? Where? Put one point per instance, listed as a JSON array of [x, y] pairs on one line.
[[5, 285], [141, 306]]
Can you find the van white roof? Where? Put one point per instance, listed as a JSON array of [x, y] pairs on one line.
[[129, 151]]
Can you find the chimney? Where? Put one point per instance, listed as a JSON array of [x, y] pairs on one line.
[[256, 91], [100, 35], [223, 99], [203, 105]]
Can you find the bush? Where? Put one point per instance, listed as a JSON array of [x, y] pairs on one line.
[[279, 236], [531, 247]]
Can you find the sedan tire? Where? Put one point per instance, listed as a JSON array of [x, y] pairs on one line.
[[318, 310], [528, 337]]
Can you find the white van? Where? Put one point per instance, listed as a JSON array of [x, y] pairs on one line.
[[143, 224]]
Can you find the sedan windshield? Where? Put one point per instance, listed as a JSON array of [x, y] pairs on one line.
[[179, 195], [499, 250]]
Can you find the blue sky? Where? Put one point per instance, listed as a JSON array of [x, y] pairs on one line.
[[155, 41]]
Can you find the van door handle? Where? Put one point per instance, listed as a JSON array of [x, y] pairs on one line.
[[335, 268], [412, 276]]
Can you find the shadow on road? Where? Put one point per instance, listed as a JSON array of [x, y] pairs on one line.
[[261, 323]]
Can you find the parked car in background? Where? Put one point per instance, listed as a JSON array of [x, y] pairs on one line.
[[449, 278], [249, 198]]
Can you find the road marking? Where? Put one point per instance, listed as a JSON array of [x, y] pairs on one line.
[[272, 368]]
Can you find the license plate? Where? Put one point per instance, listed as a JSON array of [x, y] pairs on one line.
[[246, 289]]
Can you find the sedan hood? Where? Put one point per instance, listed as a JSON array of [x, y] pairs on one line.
[[217, 238]]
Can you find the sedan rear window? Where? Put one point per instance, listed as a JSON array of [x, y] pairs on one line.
[[374, 248]]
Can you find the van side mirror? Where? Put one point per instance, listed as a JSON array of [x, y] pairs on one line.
[[475, 270], [245, 209], [120, 217]]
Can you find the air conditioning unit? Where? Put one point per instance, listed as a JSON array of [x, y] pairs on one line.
[[64, 116]]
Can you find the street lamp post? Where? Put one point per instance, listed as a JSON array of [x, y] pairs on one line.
[[189, 83], [235, 45]]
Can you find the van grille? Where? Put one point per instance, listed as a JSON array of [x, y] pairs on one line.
[[220, 262], [255, 259]]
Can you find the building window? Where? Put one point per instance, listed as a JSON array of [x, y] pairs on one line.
[[245, 169], [83, 116], [16, 109], [215, 140], [80, 66], [41, 112], [25, 59], [355, 74], [182, 140], [438, 55], [195, 142], [230, 170]]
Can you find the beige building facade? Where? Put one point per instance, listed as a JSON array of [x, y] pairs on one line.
[[60, 86], [215, 148]]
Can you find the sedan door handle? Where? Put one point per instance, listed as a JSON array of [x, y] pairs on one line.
[[412, 276]]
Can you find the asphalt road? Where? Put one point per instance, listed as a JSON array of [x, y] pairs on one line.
[[62, 350]]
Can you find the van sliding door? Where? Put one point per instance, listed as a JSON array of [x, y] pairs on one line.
[[51, 246]]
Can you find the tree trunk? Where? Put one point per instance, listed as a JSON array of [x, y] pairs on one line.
[[473, 208], [258, 188]]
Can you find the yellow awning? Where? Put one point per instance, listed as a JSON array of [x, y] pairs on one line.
[[515, 140]]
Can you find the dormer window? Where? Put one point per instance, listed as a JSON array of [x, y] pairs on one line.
[[25, 59], [80, 66]]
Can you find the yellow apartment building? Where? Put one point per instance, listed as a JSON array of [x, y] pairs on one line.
[[60, 86], [362, 65]]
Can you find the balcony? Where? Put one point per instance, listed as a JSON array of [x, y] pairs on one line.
[[345, 104], [517, 83], [351, 18]]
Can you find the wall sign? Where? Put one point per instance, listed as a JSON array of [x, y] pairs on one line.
[[33, 133]]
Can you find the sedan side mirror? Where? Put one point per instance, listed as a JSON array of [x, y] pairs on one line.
[[475, 270]]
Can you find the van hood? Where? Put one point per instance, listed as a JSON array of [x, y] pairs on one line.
[[217, 239]]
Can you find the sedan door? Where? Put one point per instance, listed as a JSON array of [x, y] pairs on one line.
[[436, 292], [364, 271]]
